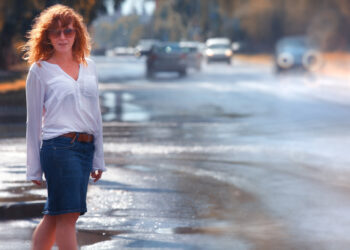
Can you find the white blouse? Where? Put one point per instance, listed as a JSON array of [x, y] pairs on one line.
[[58, 104]]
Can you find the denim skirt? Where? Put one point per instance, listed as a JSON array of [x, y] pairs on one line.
[[66, 166]]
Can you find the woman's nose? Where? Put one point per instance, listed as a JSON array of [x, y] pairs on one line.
[[62, 35]]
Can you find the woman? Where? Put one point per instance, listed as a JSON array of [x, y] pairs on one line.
[[64, 126]]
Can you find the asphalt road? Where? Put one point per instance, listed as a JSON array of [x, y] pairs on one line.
[[232, 157]]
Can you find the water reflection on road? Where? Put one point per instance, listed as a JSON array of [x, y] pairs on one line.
[[229, 158], [117, 106]]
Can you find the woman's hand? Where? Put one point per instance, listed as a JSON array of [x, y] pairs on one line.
[[96, 175], [38, 183]]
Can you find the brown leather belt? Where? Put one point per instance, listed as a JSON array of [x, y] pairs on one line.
[[83, 137]]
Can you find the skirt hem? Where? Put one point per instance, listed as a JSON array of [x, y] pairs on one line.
[[64, 212]]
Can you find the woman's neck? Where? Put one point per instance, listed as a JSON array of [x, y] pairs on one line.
[[61, 58]]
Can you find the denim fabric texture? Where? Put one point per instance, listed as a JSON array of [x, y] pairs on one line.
[[66, 166]]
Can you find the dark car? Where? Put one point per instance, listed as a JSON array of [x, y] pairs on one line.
[[166, 57], [296, 53], [193, 53]]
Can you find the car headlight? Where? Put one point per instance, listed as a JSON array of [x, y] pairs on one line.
[[312, 60], [228, 53], [209, 52], [285, 60]]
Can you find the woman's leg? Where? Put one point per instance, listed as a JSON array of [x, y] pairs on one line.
[[66, 238], [45, 233]]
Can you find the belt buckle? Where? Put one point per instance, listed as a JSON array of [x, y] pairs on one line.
[[75, 136], [89, 138]]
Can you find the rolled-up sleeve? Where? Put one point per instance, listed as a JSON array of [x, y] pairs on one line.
[[98, 161], [35, 99]]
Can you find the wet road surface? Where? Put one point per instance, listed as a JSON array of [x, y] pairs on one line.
[[233, 157]]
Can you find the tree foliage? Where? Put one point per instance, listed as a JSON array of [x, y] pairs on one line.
[[16, 17], [168, 23], [265, 21], [124, 31], [262, 22]]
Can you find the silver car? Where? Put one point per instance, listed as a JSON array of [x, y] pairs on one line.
[[296, 53], [193, 53]]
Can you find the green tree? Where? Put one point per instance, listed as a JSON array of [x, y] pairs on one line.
[[265, 21], [125, 31], [168, 24], [262, 22], [16, 17]]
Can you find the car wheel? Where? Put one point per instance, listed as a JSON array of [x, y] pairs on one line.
[[150, 73], [279, 70], [183, 72]]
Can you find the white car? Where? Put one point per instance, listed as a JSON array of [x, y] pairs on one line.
[[218, 49]]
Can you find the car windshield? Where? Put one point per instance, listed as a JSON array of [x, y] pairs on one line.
[[219, 46], [169, 48], [294, 43], [190, 49]]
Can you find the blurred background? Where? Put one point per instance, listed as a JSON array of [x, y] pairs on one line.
[[304, 35], [253, 26], [125, 27]]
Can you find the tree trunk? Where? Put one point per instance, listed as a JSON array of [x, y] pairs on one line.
[[7, 54]]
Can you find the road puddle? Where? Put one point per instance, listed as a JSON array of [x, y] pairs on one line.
[[118, 106], [91, 236], [192, 230], [138, 168]]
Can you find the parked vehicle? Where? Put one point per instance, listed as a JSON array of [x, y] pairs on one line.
[[193, 53], [296, 52], [218, 49], [98, 52], [144, 46], [124, 51], [166, 57]]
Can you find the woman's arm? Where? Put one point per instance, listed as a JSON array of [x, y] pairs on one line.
[[35, 100], [98, 161]]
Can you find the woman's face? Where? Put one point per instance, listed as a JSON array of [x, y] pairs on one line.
[[62, 39]]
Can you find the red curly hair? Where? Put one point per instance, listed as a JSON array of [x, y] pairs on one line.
[[38, 47]]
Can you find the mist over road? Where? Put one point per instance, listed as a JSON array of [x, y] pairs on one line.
[[231, 157]]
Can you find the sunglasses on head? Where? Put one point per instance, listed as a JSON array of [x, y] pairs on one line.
[[68, 32]]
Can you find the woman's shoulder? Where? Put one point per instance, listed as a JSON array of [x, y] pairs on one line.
[[36, 67], [90, 62]]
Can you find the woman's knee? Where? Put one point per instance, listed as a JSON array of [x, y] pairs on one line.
[[67, 219], [49, 220]]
